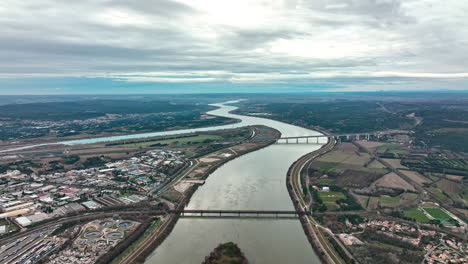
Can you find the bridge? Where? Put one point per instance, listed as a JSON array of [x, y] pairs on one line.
[[315, 139], [239, 213]]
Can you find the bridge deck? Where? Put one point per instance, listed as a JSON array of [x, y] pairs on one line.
[[239, 212]]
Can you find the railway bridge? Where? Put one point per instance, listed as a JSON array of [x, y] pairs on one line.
[[239, 213]]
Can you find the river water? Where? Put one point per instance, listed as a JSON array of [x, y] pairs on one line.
[[253, 181]]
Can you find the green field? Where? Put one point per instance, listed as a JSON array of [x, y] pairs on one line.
[[437, 213], [331, 197], [417, 215], [325, 181], [394, 148], [438, 192], [388, 201]]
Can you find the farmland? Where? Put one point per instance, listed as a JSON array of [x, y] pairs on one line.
[[393, 181], [331, 197], [417, 215], [415, 176], [387, 201]]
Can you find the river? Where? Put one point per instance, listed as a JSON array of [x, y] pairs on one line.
[[256, 180], [253, 181]]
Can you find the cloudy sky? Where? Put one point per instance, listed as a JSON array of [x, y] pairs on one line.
[[133, 46]]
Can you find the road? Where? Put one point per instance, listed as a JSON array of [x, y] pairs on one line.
[[315, 228]]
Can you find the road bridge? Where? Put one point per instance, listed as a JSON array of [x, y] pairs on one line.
[[239, 213], [315, 138]]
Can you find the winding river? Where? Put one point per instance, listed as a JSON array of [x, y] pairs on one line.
[[253, 181]]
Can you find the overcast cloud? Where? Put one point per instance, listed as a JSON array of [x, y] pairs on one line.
[[241, 42]]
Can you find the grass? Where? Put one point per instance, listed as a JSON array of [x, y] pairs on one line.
[[394, 148], [438, 213], [438, 192], [331, 197], [417, 215], [389, 201], [325, 181]]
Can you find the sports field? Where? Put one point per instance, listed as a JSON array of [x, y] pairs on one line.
[[437, 213]]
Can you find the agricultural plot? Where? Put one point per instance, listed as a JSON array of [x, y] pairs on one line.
[[373, 203], [375, 165], [352, 158], [407, 199], [362, 199], [371, 144], [393, 148], [438, 192], [393, 181], [326, 181], [415, 176], [358, 178], [450, 188], [330, 197], [417, 215], [387, 201], [396, 163]]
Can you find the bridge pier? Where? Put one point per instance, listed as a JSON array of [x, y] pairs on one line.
[[307, 140], [297, 140]]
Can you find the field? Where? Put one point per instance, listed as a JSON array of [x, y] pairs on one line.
[[331, 197], [373, 203], [375, 165], [438, 192], [437, 213], [325, 181], [393, 148], [195, 139], [393, 181], [417, 215], [396, 163], [387, 201], [452, 189], [353, 158], [415, 176]]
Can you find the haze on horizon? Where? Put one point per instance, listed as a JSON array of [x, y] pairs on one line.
[[185, 46]]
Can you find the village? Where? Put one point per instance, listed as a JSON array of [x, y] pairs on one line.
[[29, 199]]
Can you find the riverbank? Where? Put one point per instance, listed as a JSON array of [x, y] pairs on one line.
[[35, 143], [152, 241], [313, 234]]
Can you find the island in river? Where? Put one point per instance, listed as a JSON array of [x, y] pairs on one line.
[[227, 253]]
